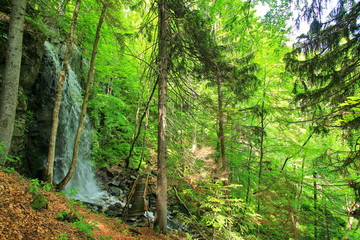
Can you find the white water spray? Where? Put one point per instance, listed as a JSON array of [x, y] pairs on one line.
[[83, 185]]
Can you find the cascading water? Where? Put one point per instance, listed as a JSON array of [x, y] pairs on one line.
[[83, 182]]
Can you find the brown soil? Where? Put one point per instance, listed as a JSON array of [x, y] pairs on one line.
[[19, 221]]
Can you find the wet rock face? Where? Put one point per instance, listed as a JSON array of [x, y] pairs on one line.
[[41, 103], [33, 51], [41, 98]]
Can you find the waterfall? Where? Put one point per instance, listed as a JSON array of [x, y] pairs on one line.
[[83, 185]]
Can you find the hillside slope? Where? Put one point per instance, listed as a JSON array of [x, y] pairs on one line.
[[18, 220]]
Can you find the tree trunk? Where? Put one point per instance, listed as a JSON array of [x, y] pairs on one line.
[[248, 167], [144, 140], [221, 135], [49, 170], [316, 219], [90, 78], [10, 85], [261, 150], [160, 222], [262, 136]]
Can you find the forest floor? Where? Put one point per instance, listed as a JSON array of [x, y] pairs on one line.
[[18, 220]]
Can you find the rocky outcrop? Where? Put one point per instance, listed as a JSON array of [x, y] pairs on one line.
[[31, 58], [36, 95]]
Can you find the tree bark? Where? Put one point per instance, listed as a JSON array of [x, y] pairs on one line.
[[49, 169], [160, 222], [316, 219], [248, 167], [143, 140], [261, 148], [262, 136], [90, 78], [221, 135], [10, 85]]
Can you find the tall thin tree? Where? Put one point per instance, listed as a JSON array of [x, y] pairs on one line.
[[49, 169], [10, 85], [160, 223], [221, 123], [90, 78]]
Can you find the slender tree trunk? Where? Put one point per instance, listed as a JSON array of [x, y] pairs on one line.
[[49, 170], [248, 167], [10, 85], [326, 221], [222, 163], [160, 222], [262, 136], [261, 152], [261, 158], [144, 139], [316, 219], [221, 135], [90, 78]]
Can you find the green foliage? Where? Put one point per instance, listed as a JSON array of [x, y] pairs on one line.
[[114, 132], [224, 43], [36, 184], [71, 192], [9, 169], [85, 227], [10, 161], [217, 214], [107, 237], [325, 60], [75, 219], [350, 109], [62, 236], [39, 201]]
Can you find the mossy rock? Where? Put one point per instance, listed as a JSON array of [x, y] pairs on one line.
[[39, 202], [71, 217]]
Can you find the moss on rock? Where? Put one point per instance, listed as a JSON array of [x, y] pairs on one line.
[[39, 201]]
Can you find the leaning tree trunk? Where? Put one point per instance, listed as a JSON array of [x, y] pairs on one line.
[[49, 169], [160, 222], [90, 78], [10, 86]]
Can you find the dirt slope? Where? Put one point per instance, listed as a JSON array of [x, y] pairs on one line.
[[19, 221]]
